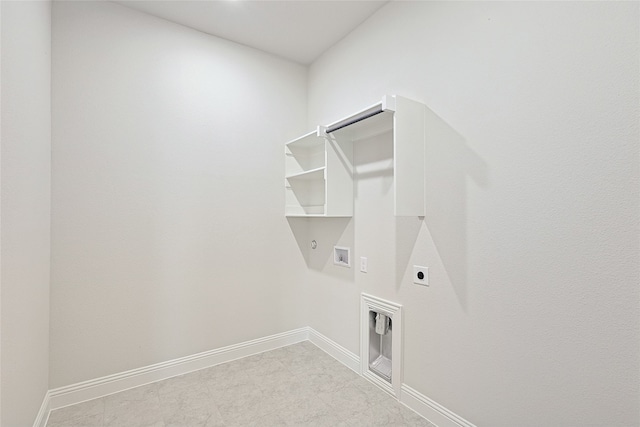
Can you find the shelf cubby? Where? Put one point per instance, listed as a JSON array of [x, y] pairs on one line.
[[318, 177]]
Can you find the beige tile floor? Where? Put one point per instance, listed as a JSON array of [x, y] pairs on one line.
[[298, 385]]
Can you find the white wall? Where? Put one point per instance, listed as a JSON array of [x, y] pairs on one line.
[[25, 208], [168, 230], [531, 232]]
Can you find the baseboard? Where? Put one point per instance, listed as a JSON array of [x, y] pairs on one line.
[[92, 389], [422, 405], [335, 350], [432, 411], [43, 413]]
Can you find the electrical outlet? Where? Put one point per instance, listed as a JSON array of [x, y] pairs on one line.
[[363, 264], [421, 275]]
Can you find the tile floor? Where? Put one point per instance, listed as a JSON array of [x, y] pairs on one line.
[[298, 385]]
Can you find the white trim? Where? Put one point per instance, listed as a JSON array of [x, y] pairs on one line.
[[335, 350], [422, 405], [43, 413], [92, 389], [432, 411]]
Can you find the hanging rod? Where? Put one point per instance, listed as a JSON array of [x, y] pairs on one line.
[[388, 103], [369, 112]]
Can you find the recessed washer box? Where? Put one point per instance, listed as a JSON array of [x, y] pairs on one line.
[[342, 256], [381, 345]]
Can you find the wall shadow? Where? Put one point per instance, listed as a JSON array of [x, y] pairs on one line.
[[327, 232], [300, 228], [449, 164], [330, 232], [374, 159], [407, 229]]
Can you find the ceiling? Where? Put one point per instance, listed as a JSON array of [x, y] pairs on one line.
[[298, 30]]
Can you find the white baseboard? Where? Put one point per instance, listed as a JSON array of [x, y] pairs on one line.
[[432, 411], [43, 413], [92, 389], [422, 405], [335, 350]]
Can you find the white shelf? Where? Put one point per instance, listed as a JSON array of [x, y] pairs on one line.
[[305, 211], [317, 173], [307, 140], [318, 176], [305, 154]]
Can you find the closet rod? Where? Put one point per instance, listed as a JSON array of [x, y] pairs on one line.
[[369, 112]]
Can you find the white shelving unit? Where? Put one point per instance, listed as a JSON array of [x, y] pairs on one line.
[[319, 177], [319, 165]]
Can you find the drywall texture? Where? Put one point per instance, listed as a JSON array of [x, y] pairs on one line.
[[531, 231], [25, 208], [168, 233]]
